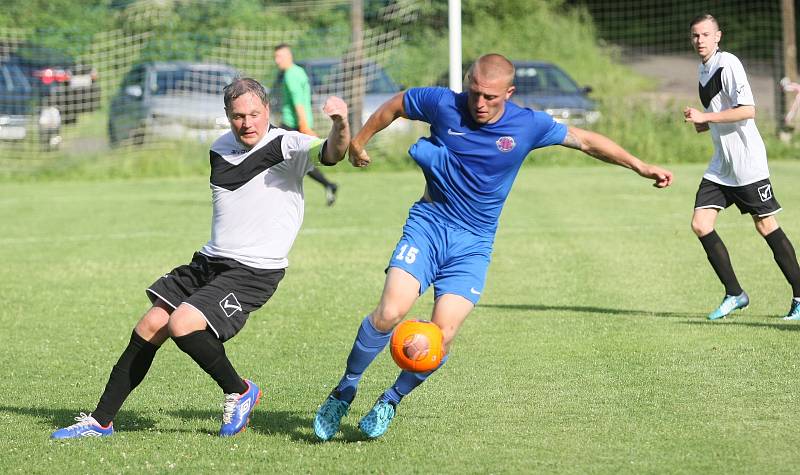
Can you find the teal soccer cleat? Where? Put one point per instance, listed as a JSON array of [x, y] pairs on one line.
[[86, 426], [794, 311], [729, 304], [329, 416], [377, 420]]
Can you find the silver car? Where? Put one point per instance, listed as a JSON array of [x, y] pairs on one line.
[[170, 100]]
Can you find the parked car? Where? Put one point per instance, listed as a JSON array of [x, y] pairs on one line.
[[327, 77], [22, 115], [545, 87], [170, 100], [62, 82]]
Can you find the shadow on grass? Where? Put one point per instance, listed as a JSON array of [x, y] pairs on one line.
[[784, 326], [57, 418], [296, 425], [589, 309]]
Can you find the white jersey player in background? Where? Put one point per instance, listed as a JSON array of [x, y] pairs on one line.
[[738, 172]]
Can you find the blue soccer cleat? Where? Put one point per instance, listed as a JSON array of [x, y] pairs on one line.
[[87, 426], [377, 420], [794, 311], [237, 408], [729, 304], [329, 416]]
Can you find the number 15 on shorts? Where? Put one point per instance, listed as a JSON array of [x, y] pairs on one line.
[[407, 254]]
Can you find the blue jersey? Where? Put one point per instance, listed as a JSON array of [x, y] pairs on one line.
[[469, 168]]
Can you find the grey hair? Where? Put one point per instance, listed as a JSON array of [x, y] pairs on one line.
[[240, 87]]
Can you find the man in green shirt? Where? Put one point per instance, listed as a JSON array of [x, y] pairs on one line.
[[296, 110]]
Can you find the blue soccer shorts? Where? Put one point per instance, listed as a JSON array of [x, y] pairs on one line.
[[446, 256]]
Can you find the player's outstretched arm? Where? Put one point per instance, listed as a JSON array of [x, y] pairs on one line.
[[339, 136], [605, 149], [387, 113]]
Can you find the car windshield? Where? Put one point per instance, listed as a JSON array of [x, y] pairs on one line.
[[11, 78], [539, 79], [191, 81], [332, 75]]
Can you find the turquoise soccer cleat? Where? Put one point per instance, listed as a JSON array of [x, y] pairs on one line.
[[377, 420], [86, 426], [329, 416], [729, 304], [794, 311]]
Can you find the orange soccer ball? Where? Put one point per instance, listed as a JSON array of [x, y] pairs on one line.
[[417, 345]]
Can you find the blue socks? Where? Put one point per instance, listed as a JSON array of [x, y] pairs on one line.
[[407, 382], [369, 342]]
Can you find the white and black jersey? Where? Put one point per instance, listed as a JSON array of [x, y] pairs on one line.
[[739, 154], [258, 196]]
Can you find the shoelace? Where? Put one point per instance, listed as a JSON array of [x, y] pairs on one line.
[[334, 409], [229, 406], [383, 412], [83, 420]]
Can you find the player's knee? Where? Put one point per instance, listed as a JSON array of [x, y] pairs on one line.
[[701, 228], [153, 323], [386, 317], [183, 323]]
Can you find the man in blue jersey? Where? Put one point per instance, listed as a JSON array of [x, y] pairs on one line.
[[478, 143]]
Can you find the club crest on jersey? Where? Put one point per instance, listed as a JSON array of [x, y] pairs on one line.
[[765, 192], [230, 305], [505, 144]]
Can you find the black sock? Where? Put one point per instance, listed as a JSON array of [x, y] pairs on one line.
[[129, 371], [317, 176], [784, 254], [208, 352], [718, 256]]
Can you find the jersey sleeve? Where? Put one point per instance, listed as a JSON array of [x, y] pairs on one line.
[[735, 84], [548, 131], [421, 103], [303, 151]]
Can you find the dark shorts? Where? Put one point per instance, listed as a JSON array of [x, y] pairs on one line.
[[756, 198], [223, 290]]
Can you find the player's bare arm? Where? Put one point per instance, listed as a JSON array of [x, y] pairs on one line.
[[387, 113], [605, 149], [339, 136], [735, 114], [302, 122]]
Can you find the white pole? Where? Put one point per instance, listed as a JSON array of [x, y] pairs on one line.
[[454, 24]]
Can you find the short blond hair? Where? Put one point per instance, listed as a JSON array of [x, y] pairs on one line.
[[492, 66]]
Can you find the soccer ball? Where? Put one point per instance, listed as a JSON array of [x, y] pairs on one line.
[[417, 345]]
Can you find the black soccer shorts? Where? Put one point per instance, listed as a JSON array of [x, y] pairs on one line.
[[756, 198], [223, 290]]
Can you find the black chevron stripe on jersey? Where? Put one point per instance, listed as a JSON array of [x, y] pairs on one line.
[[231, 177], [712, 88]]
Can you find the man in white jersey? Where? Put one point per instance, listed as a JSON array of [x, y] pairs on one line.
[[738, 172], [257, 175]]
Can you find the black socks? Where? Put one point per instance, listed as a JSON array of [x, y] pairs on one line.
[[129, 371], [208, 352], [718, 256], [785, 257]]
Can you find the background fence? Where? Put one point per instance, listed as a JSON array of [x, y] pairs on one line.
[[70, 92]]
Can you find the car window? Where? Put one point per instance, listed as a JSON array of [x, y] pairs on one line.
[[537, 79], [134, 77], [191, 81], [12, 78], [329, 79]]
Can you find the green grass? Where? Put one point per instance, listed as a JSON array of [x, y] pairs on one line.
[[589, 351]]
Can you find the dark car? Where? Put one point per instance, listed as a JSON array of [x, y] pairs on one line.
[[22, 115], [170, 100], [62, 82], [328, 77], [545, 87]]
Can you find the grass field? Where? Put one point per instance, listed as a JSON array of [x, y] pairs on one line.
[[589, 351]]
